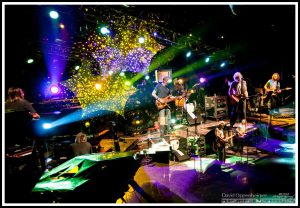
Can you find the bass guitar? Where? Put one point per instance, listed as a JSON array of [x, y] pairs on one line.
[[275, 92], [221, 142], [163, 102]]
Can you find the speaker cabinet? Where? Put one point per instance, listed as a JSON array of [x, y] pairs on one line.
[[216, 107], [181, 155]]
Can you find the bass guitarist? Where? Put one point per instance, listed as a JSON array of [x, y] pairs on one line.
[[221, 141], [272, 88], [238, 94], [161, 93]]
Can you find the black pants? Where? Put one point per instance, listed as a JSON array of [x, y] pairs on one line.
[[238, 110], [274, 101], [221, 153], [238, 143]]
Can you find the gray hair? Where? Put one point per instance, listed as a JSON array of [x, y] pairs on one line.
[[236, 75]]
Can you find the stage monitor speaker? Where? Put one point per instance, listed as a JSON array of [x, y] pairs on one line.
[[181, 155]]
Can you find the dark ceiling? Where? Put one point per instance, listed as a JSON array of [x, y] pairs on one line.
[[261, 37]]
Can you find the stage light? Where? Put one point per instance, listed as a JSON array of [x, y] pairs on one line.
[[188, 54], [222, 64], [77, 67], [122, 74], [47, 126], [54, 89], [155, 34], [173, 120], [141, 39], [180, 81], [110, 72], [202, 79], [147, 77], [53, 14], [87, 124], [98, 86], [29, 61], [207, 59], [61, 25], [127, 83], [137, 122], [57, 112], [104, 30]]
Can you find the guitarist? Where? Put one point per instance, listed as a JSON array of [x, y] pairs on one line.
[[221, 141], [238, 94], [272, 88], [160, 92]]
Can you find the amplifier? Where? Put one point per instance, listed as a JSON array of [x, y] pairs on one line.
[[216, 107]]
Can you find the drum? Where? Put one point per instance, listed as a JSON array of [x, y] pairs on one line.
[[180, 102], [191, 107]]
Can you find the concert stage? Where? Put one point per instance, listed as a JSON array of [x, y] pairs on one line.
[[176, 168]]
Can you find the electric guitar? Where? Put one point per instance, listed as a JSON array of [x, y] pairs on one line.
[[236, 99], [275, 92], [224, 141], [160, 105]]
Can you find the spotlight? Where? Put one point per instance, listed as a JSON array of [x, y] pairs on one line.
[[155, 34], [47, 126], [147, 77], [207, 59], [87, 124], [98, 86], [110, 72], [202, 79], [222, 64], [122, 74], [61, 25], [188, 54], [173, 120], [127, 83], [141, 39], [137, 122], [180, 81], [104, 30], [77, 67], [54, 89], [29, 61], [53, 14]]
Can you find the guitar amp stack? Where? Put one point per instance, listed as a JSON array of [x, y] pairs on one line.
[[216, 107]]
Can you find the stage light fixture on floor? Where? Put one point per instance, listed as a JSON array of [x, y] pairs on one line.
[[47, 126]]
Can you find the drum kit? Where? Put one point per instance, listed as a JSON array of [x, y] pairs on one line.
[[185, 103]]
